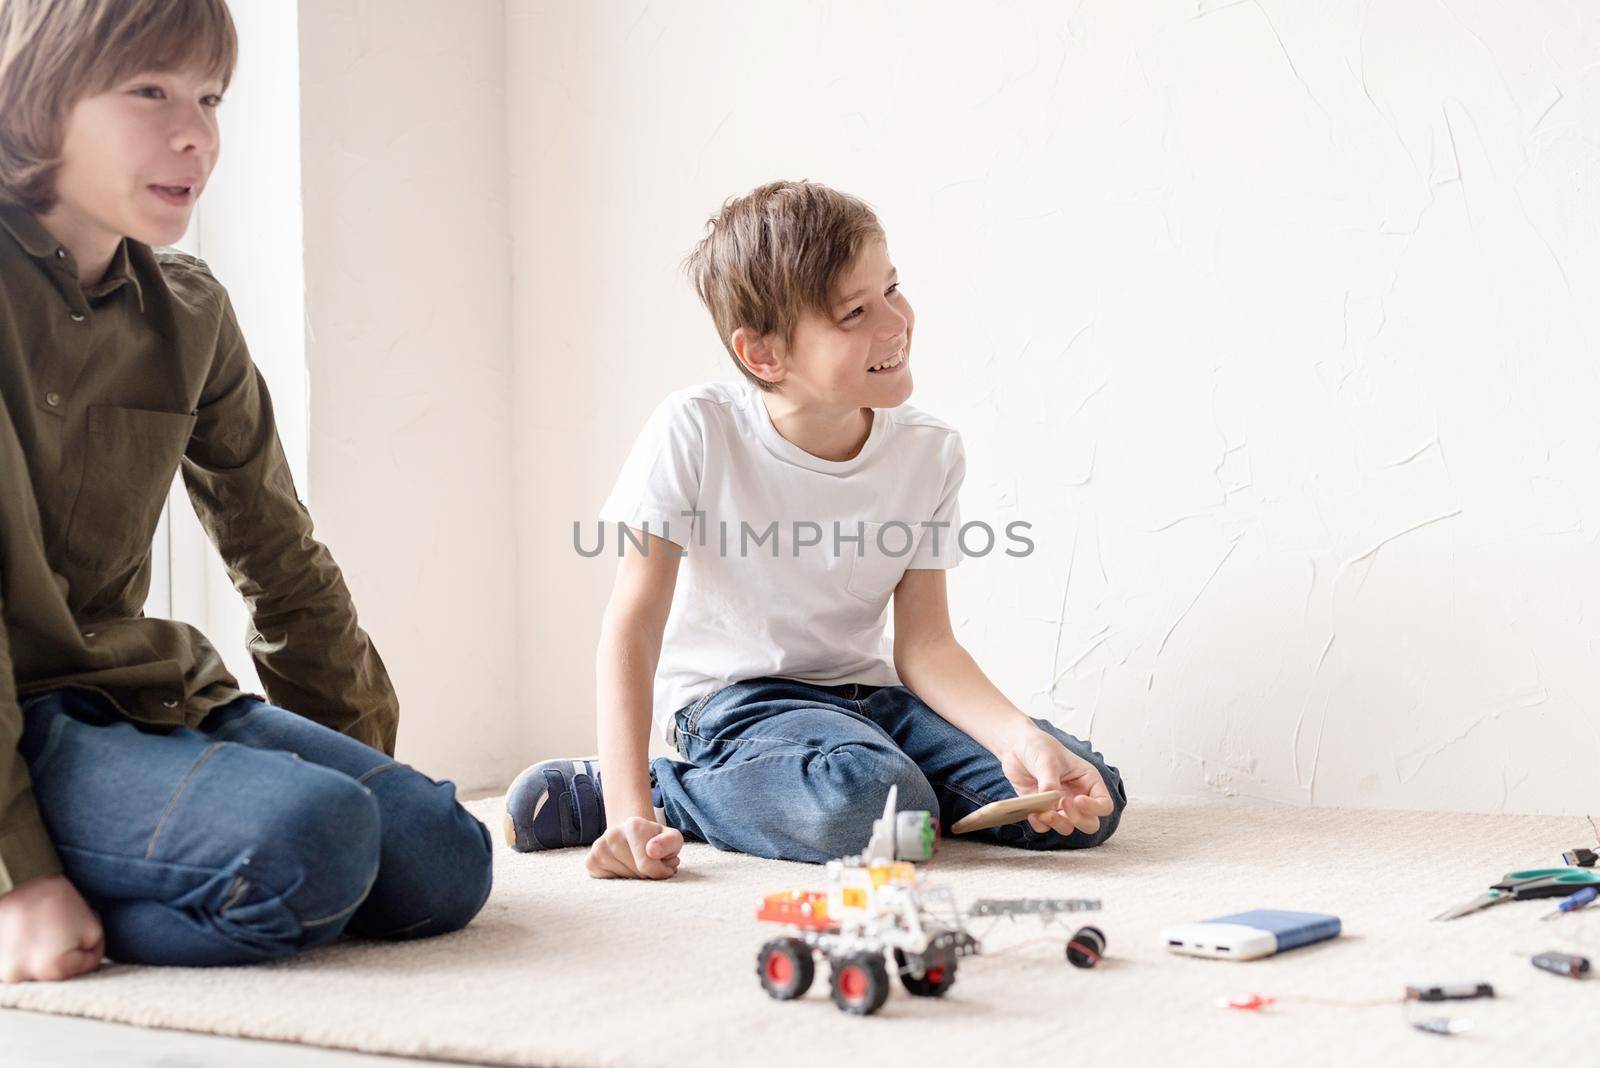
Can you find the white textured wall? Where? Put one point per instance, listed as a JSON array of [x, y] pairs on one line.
[[407, 269], [1276, 320]]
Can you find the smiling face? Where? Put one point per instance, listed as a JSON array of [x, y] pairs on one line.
[[858, 354], [134, 160]]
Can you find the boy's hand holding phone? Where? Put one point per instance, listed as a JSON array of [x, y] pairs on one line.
[[1034, 761]]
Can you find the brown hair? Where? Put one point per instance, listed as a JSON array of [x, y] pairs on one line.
[[774, 253], [53, 53]]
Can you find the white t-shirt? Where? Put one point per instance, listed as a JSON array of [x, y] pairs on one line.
[[745, 604]]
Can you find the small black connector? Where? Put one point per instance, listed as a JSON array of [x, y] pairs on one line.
[[1449, 991], [1580, 858]]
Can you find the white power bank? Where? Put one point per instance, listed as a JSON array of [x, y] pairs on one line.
[[1249, 935]]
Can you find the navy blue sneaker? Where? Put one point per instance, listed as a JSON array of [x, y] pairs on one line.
[[555, 804]]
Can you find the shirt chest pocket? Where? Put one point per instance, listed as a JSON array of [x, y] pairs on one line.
[[129, 460], [874, 573]]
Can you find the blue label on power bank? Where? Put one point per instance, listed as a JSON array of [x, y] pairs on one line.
[[1291, 929]]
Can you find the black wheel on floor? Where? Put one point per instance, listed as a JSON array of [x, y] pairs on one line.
[[938, 972], [786, 968], [860, 983]]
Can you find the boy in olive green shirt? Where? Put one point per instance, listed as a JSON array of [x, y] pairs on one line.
[[243, 831]]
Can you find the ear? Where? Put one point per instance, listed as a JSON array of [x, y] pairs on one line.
[[759, 354]]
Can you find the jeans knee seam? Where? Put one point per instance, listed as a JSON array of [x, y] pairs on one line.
[[342, 913], [172, 802], [957, 788], [752, 741], [371, 772], [407, 929]]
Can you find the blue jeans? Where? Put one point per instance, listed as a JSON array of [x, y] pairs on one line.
[[796, 771], [254, 836]]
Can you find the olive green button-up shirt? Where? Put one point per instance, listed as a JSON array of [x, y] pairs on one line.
[[104, 395]]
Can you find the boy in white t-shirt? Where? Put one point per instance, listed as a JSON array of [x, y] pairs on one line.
[[799, 502]]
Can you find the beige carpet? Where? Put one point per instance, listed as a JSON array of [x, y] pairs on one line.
[[564, 970]]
